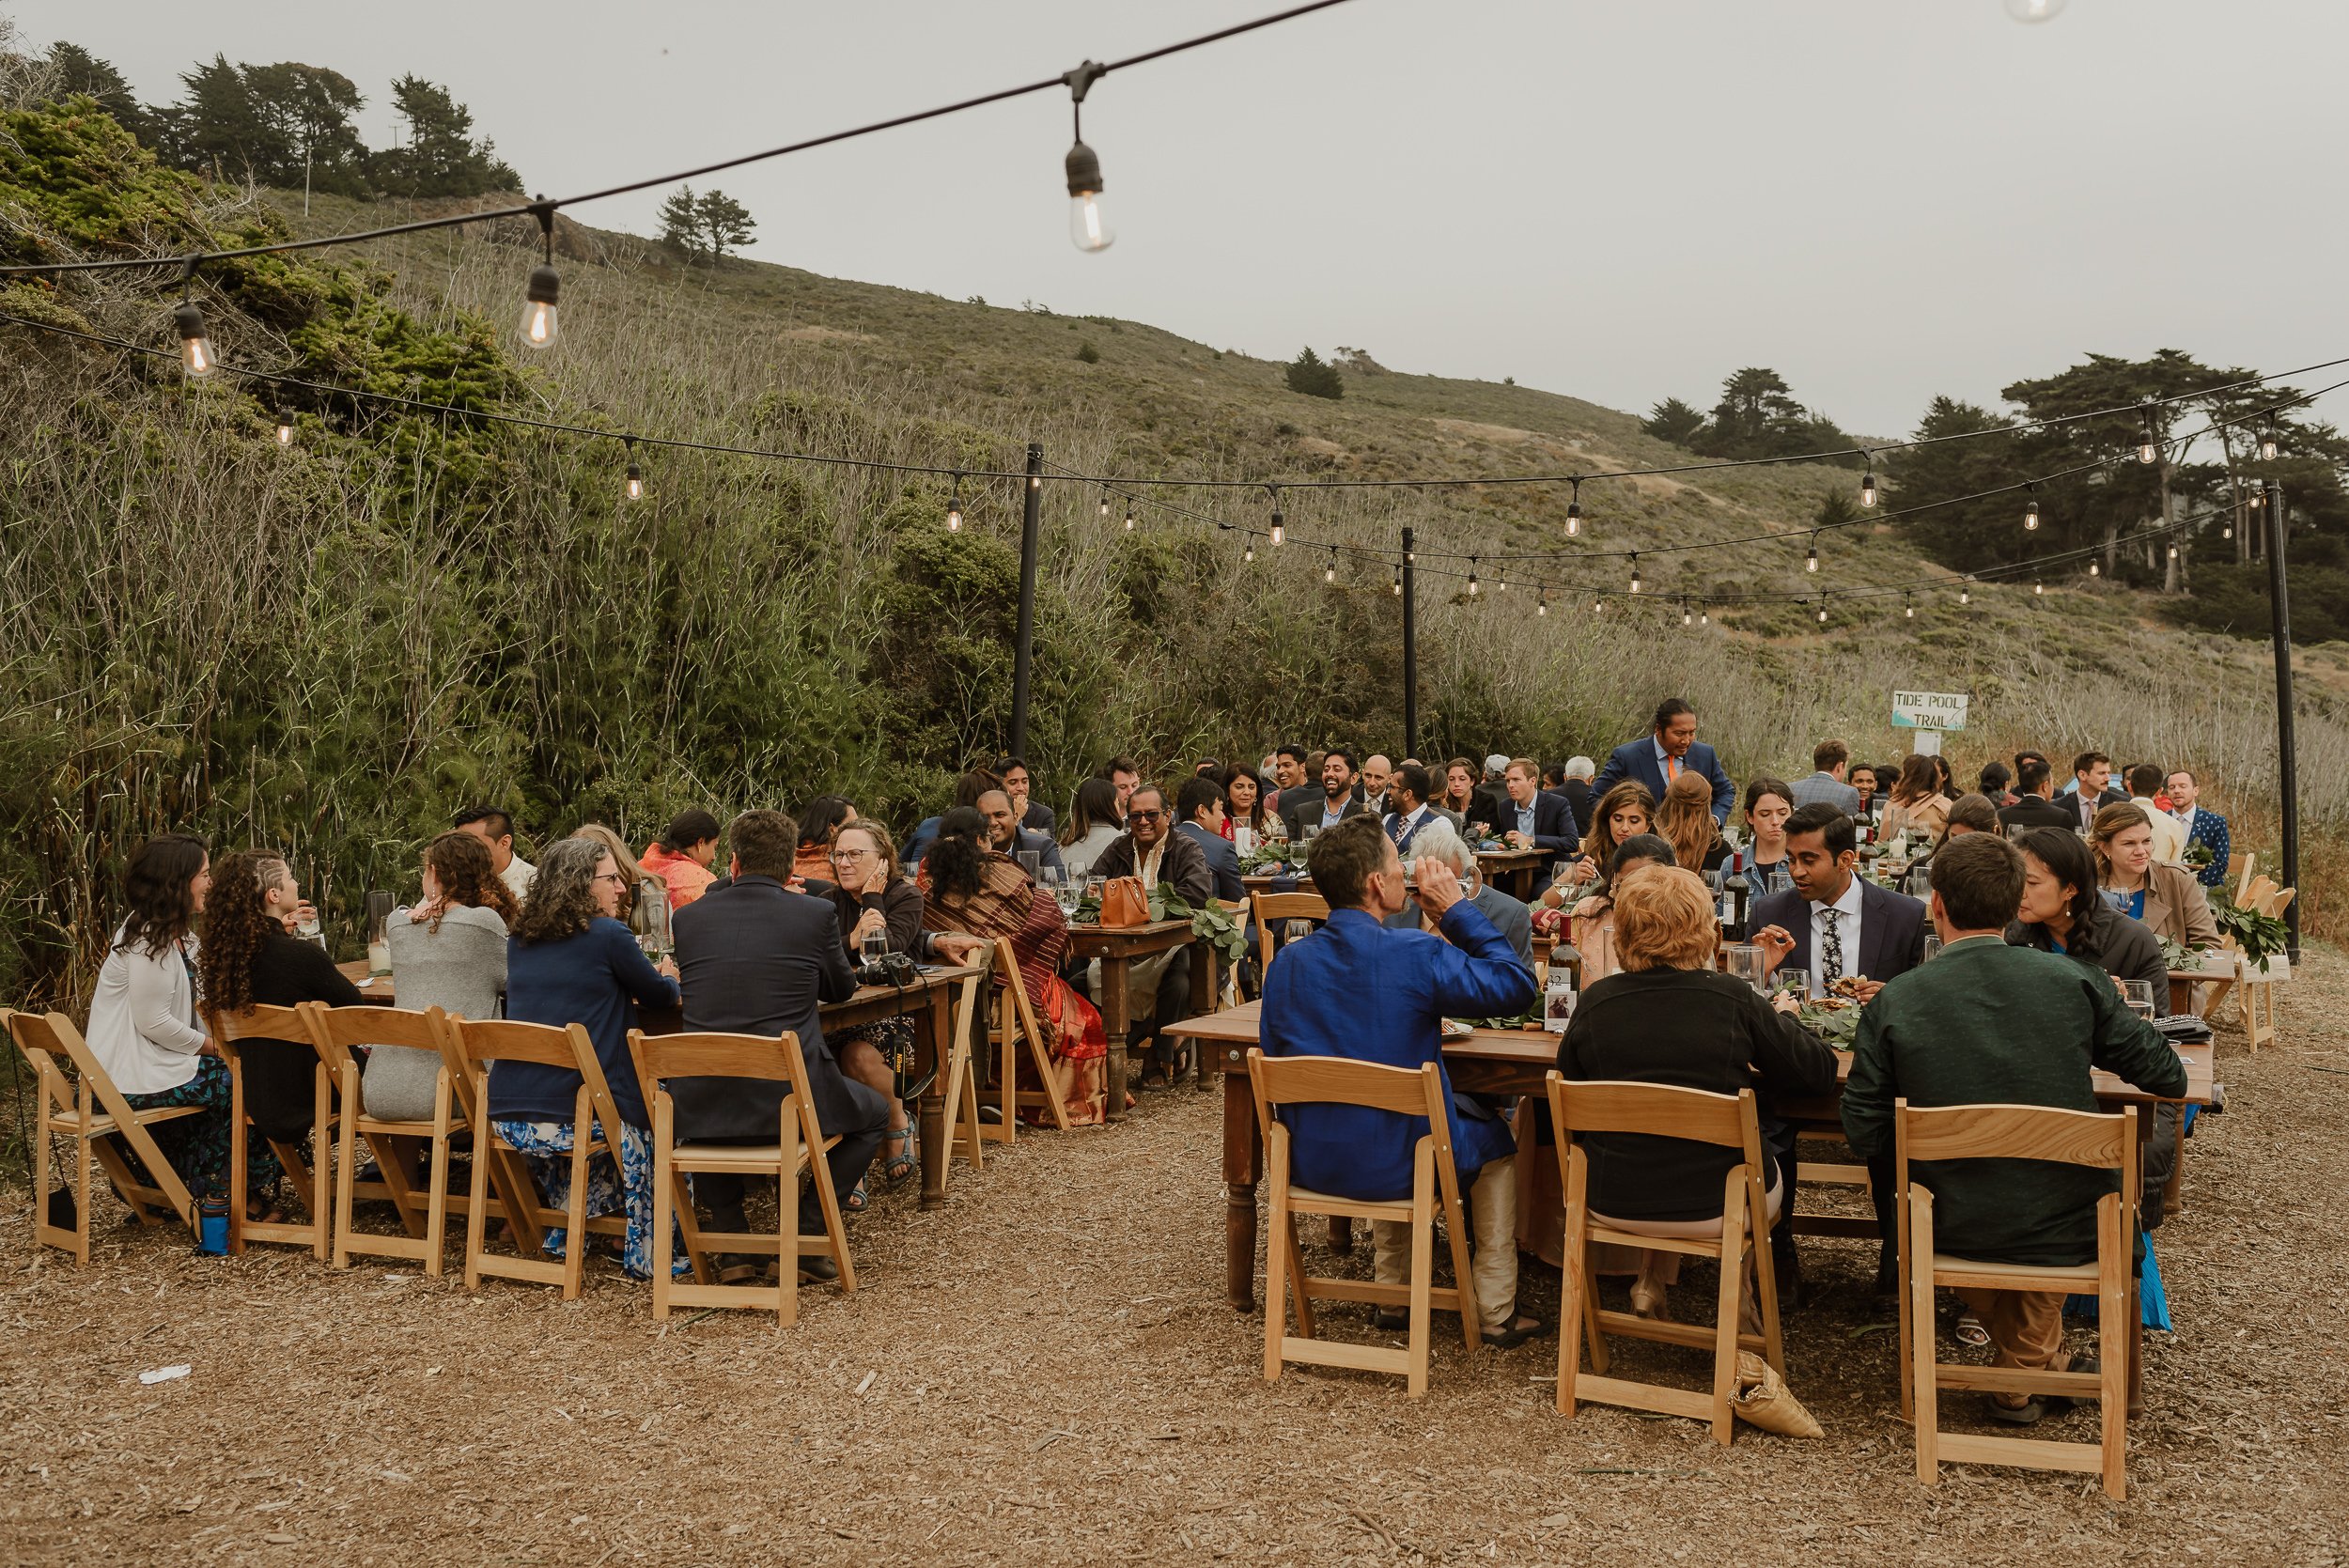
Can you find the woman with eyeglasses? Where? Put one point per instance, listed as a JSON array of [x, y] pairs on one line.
[[874, 898], [570, 960]]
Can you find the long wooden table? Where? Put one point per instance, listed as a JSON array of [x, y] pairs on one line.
[[1514, 1062], [929, 1001], [1514, 871], [1117, 947]]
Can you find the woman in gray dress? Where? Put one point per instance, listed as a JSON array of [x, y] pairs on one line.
[[448, 952]]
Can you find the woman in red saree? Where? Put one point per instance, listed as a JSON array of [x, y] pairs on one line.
[[968, 888]]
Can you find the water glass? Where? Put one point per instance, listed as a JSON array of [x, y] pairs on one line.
[[873, 946], [306, 926], [1313, 831], [1747, 963], [379, 911], [2139, 995], [1933, 946], [1031, 860], [1793, 983]]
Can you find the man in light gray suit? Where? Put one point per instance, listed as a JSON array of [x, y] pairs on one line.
[[1437, 839], [1832, 758]]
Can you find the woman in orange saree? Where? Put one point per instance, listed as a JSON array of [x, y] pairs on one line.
[[968, 888]]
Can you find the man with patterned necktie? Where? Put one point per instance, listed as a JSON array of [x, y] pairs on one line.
[[1407, 788]]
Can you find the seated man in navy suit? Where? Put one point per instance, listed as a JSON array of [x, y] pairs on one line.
[[1533, 817], [1199, 813], [1836, 926], [1664, 756], [1407, 789]]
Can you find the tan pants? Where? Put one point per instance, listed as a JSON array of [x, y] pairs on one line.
[[1658, 1270], [2026, 1329], [1492, 1204]]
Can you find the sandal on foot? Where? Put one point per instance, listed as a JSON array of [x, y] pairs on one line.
[[1523, 1327], [1971, 1330], [856, 1201], [897, 1167]]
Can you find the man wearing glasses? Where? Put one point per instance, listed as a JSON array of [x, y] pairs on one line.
[[1151, 849]]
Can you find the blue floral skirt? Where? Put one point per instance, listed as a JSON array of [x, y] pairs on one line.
[[546, 1149]]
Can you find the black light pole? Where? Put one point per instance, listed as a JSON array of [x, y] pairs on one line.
[[1031, 515], [1410, 654], [2279, 603]]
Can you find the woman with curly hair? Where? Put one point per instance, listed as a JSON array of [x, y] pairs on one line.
[[570, 960], [448, 952], [1685, 819], [250, 958], [144, 1026], [970, 888]]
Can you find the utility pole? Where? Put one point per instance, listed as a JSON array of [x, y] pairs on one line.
[[1411, 653], [2280, 606], [1031, 515]]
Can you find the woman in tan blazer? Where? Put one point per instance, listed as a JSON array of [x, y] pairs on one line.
[[2166, 897]]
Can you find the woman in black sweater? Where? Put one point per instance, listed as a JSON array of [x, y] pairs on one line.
[[1669, 1017], [249, 959], [872, 895]]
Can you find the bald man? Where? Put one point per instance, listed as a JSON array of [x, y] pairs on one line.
[[1372, 790]]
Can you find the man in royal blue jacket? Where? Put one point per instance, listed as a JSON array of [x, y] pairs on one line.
[[1356, 989], [1664, 756]]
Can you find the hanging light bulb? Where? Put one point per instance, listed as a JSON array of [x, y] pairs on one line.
[[1503, 583], [1250, 554], [1129, 519], [2257, 498], [1704, 618], [1543, 608], [2031, 516], [1598, 605], [1399, 581], [2148, 443], [1574, 513], [2227, 532], [1810, 561], [285, 426], [1088, 230], [1105, 504], [1274, 491], [1685, 619], [538, 298], [634, 487], [2268, 446], [196, 345], [954, 508], [1965, 594], [1823, 612], [1868, 489], [2173, 550], [1472, 577], [2037, 587], [1635, 571], [1908, 608], [1329, 572], [2095, 570]]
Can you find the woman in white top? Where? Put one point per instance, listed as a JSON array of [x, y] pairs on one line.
[[1092, 826], [448, 952], [143, 1018]]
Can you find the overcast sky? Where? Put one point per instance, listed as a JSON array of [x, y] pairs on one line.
[[1622, 201]]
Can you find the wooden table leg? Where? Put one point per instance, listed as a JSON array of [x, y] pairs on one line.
[[937, 1033], [2146, 1116], [1202, 1000], [1242, 1155], [1114, 1023]]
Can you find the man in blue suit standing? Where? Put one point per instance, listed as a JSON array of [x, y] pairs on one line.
[[1664, 756], [2205, 828], [1356, 989]]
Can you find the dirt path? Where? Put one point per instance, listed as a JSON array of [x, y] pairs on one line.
[[1046, 1372]]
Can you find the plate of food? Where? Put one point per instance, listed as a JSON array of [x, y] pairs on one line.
[[1457, 1029]]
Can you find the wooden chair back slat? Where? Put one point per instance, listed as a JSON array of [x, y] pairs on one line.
[[1271, 909], [1338, 1080], [346, 1028], [2015, 1132], [260, 1022], [487, 1040], [1660, 1109]]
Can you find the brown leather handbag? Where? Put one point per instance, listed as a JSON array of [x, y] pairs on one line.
[[1123, 902]]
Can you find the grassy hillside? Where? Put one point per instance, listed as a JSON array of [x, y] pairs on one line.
[[334, 647]]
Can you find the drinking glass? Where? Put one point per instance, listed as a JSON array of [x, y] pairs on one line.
[[1311, 831], [873, 945], [1933, 946], [1793, 983], [2140, 994], [1746, 963], [1243, 839], [1558, 870], [648, 918], [1031, 860], [1094, 886], [378, 908], [306, 926], [1067, 895]]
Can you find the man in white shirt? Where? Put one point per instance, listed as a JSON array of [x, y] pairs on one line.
[[1407, 789], [495, 829], [2145, 781], [1376, 770]]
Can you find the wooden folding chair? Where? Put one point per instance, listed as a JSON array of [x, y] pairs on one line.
[[90, 1109], [1014, 1025], [423, 1215], [965, 1132], [1435, 1181], [291, 1025], [595, 1130], [798, 1151], [513, 1195], [2017, 1132], [1265, 907], [1663, 1110]]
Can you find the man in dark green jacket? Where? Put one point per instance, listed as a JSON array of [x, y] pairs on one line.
[[1989, 1024]]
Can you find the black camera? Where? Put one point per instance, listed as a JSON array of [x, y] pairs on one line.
[[890, 969]]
